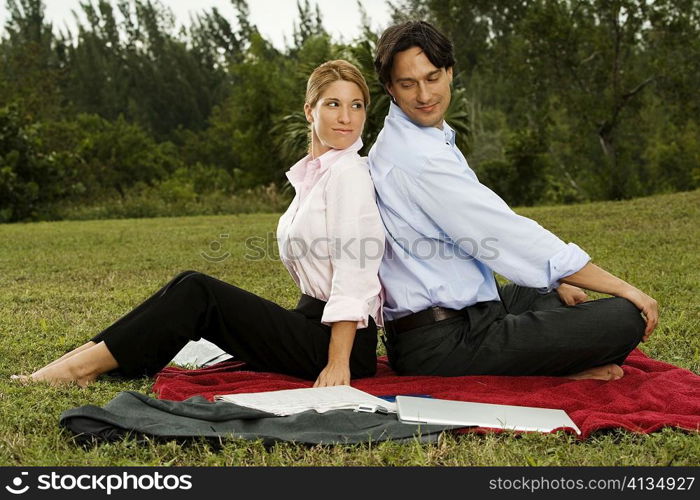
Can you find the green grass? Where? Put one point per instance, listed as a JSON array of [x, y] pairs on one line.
[[61, 282]]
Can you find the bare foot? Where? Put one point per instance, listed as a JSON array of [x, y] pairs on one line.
[[605, 372], [29, 379], [62, 373], [82, 367], [75, 351]]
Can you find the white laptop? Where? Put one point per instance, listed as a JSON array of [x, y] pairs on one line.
[[416, 410]]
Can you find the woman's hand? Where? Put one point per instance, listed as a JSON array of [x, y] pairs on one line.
[[571, 295], [337, 370], [334, 374]]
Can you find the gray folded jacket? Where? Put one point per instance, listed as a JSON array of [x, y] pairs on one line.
[[133, 412]]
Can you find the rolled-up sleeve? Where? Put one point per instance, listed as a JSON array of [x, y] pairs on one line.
[[566, 262], [356, 244], [459, 208]]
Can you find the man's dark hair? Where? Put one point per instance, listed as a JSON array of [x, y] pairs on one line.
[[436, 46]]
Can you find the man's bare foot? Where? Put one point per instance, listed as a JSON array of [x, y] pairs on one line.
[[605, 372]]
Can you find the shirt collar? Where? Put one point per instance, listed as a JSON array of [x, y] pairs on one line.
[[450, 134], [297, 173], [447, 134]]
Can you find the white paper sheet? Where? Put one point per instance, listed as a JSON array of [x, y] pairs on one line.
[[321, 399], [199, 354]]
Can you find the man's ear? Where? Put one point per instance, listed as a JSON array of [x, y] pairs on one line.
[[387, 87], [449, 73], [307, 113]]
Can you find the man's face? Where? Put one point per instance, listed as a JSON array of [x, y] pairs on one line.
[[421, 90]]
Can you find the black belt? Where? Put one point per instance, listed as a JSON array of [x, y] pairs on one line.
[[422, 318]]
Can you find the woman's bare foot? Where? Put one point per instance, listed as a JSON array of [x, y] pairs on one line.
[[81, 368], [62, 373], [22, 379], [605, 372], [75, 351]]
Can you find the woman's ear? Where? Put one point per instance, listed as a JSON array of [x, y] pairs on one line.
[[307, 113]]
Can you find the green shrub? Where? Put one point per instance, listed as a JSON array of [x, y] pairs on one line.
[[674, 158], [173, 199], [520, 178], [30, 179]]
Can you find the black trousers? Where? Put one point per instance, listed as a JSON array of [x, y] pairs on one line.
[[526, 333], [252, 329]]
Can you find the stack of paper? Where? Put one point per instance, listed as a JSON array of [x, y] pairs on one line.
[[321, 399]]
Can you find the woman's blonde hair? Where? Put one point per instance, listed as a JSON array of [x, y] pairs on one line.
[[332, 71]]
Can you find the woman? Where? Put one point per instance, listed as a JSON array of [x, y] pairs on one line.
[[331, 241]]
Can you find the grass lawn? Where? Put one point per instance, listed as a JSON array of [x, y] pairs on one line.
[[61, 282]]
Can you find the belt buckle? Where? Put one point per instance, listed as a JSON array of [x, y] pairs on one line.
[[437, 313]]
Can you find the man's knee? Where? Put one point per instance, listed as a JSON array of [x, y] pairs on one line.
[[627, 320]]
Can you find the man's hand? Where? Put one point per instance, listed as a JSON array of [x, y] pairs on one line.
[[334, 374], [571, 295], [594, 278], [648, 306]]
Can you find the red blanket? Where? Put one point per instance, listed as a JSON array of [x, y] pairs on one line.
[[651, 395]]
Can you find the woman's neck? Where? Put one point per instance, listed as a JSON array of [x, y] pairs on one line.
[[318, 149]]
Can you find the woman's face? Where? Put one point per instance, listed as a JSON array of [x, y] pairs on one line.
[[337, 117]]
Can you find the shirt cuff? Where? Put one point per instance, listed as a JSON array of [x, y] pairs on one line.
[[566, 262], [343, 308]]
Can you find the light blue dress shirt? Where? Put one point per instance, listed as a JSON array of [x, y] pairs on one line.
[[446, 232]]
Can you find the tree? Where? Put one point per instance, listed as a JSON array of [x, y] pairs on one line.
[[139, 67], [29, 64]]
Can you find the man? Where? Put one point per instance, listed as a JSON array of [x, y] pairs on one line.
[[446, 233]]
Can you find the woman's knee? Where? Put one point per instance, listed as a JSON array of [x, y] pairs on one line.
[[188, 279], [184, 274]]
